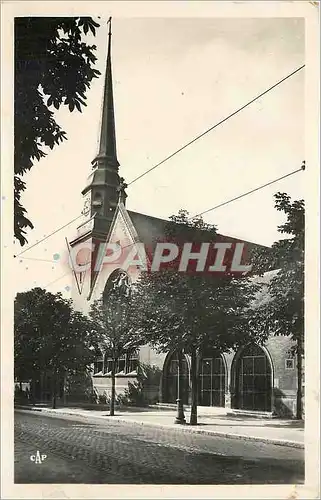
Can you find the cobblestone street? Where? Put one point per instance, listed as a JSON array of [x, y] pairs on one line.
[[81, 450]]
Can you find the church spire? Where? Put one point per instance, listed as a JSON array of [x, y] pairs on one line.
[[107, 144], [105, 189]]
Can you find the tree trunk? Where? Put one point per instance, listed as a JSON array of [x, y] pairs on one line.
[[299, 376], [64, 389], [113, 389], [32, 390], [180, 417], [193, 418], [42, 377]]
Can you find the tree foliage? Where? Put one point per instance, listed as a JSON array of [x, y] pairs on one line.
[[53, 67], [193, 311], [114, 319], [181, 224], [281, 310], [49, 336]]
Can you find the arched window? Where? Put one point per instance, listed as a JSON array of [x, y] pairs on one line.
[[253, 380], [170, 374], [117, 283]]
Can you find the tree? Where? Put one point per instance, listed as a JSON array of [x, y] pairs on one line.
[[191, 311], [114, 319], [281, 312], [53, 67], [50, 337]]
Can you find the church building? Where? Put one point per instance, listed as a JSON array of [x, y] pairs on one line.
[[256, 379]]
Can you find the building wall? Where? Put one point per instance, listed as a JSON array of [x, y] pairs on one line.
[[147, 356], [285, 379], [102, 383]]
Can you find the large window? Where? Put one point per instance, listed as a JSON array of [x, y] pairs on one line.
[[121, 364], [118, 282], [170, 385], [108, 365], [128, 363], [253, 380], [132, 362], [212, 380]]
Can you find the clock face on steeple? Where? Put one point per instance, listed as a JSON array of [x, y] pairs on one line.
[[87, 204]]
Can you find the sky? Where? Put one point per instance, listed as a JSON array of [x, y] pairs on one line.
[[173, 79]]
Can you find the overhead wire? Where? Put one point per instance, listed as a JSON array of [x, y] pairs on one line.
[[251, 191], [216, 125], [41, 260], [302, 168], [48, 236]]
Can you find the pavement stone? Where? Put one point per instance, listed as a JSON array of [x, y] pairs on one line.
[[279, 432], [132, 454]]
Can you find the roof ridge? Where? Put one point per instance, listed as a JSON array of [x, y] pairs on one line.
[[218, 233]]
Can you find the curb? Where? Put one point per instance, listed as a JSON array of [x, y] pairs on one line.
[[187, 428]]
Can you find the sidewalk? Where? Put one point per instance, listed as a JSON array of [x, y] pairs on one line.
[[214, 422]]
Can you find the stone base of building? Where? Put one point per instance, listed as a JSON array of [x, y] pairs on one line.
[[282, 406]]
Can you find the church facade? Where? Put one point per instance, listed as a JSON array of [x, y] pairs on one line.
[[256, 379]]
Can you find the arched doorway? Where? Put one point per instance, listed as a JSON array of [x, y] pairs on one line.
[[170, 373], [211, 379], [253, 380]]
